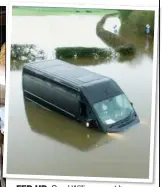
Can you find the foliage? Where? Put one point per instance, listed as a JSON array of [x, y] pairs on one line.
[[77, 52], [126, 49], [42, 11], [21, 54], [124, 14], [26, 53]]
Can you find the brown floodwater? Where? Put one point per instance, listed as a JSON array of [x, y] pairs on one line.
[[43, 142]]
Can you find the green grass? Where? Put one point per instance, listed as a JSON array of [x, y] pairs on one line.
[[45, 11]]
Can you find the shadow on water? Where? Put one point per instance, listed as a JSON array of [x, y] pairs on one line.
[[94, 62], [62, 129], [85, 61]]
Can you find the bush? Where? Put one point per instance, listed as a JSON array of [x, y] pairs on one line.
[[126, 50], [21, 54], [70, 52], [26, 53]]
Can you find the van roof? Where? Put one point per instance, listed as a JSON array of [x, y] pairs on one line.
[[66, 72]]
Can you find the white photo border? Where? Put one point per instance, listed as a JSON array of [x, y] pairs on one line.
[[153, 110]]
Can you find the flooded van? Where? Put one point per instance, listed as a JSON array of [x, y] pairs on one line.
[[93, 99]]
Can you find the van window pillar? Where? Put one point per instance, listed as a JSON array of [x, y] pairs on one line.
[[83, 109]]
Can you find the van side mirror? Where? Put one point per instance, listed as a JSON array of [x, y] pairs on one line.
[[131, 103]]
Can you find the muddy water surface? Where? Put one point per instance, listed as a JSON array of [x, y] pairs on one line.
[[42, 142]]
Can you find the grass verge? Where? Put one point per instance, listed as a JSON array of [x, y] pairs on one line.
[[46, 11]]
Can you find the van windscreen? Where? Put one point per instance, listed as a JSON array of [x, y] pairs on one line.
[[113, 109]]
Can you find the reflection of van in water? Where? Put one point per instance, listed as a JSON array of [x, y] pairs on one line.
[[88, 97], [63, 129]]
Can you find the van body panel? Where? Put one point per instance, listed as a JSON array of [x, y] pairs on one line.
[[54, 93], [63, 72], [101, 90], [72, 90]]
